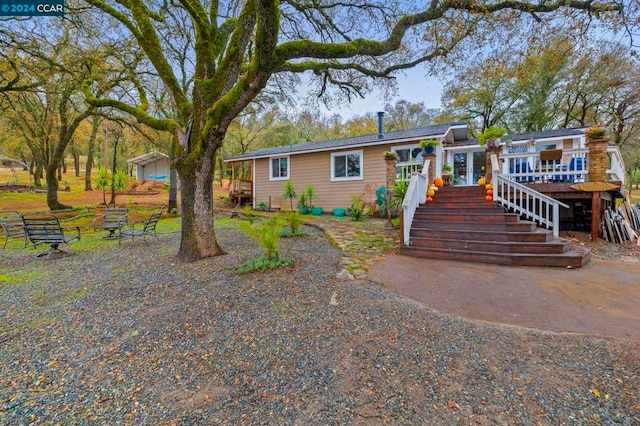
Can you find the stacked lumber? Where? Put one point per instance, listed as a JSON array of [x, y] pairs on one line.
[[621, 224]]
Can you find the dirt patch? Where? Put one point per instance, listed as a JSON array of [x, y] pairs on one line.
[[602, 249]]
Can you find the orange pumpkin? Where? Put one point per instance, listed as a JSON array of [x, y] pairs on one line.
[[438, 182], [489, 198], [489, 191], [429, 199]]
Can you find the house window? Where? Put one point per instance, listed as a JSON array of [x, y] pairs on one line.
[[346, 165], [279, 168], [406, 153]]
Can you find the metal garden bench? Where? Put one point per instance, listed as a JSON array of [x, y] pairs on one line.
[[13, 226], [46, 229], [114, 218], [147, 227]]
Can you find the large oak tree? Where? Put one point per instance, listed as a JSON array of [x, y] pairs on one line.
[[237, 48]]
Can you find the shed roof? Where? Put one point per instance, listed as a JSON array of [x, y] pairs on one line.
[[354, 141], [148, 158]]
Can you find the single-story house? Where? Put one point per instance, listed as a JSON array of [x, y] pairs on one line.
[[341, 168], [151, 166]]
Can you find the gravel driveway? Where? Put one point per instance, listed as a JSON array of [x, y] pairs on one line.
[[130, 336]]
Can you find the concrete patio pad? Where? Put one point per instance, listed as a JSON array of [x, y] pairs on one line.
[[601, 299]]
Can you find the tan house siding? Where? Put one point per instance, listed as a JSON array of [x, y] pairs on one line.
[[315, 169]]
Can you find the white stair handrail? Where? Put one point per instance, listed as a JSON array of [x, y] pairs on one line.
[[416, 195], [525, 201]]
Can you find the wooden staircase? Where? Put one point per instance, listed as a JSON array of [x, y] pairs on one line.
[[461, 225]]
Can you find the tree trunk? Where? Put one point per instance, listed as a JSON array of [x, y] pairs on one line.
[[92, 144], [198, 239], [113, 173], [37, 175], [52, 189], [76, 162], [60, 172], [173, 177]]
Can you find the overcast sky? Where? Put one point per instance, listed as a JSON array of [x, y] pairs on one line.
[[415, 87]]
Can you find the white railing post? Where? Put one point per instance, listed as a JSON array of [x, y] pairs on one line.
[[525, 201], [416, 195], [617, 170]]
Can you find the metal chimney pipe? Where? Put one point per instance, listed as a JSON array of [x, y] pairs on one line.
[[380, 124]]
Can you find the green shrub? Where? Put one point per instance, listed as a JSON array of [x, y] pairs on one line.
[[263, 264], [294, 220], [262, 207], [289, 193], [356, 207], [267, 234]]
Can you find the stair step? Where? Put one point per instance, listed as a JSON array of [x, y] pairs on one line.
[[464, 216], [467, 225], [539, 235], [573, 258], [454, 208], [460, 224], [462, 203], [556, 246]]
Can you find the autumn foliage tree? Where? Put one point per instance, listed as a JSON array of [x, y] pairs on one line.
[[238, 48]]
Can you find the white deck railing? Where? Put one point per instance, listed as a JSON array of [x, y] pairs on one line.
[[405, 170], [416, 195], [527, 167], [526, 201], [616, 169]]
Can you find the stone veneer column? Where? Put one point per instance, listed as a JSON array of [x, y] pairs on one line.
[[432, 166], [391, 173], [598, 159]]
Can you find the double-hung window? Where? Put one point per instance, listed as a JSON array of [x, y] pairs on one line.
[[346, 165], [279, 168]]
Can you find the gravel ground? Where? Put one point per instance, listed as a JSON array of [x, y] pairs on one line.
[[129, 336]]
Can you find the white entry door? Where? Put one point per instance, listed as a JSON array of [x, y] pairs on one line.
[[468, 167]]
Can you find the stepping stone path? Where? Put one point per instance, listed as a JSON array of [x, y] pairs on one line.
[[362, 243]]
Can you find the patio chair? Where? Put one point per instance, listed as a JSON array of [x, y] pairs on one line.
[[577, 164], [521, 166], [13, 227], [46, 229], [141, 228], [114, 218]]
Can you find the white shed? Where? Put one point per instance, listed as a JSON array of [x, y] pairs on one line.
[[151, 166]]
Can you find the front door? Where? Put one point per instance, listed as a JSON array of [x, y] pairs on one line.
[[468, 167]]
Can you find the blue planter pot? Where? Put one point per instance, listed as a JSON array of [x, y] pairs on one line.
[[303, 209], [316, 211], [339, 212], [429, 150]]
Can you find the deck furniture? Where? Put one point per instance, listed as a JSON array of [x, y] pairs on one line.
[[240, 190], [13, 226], [46, 229], [577, 164], [114, 218], [141, 228]]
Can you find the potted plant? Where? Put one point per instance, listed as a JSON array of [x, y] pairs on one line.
[[390, 155], [302, 204], [595, 132], [428, 145], [447, 175], [491, 136], [309, 196]]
